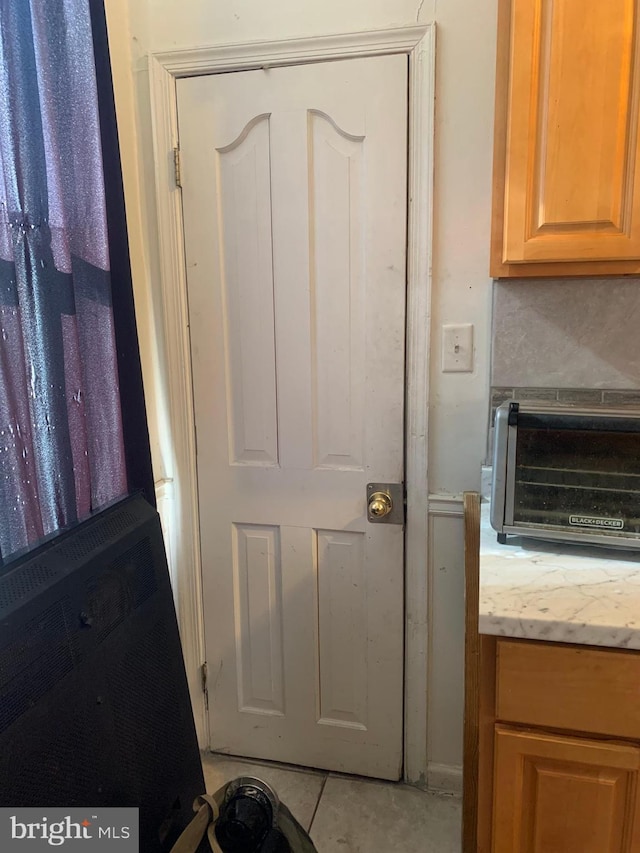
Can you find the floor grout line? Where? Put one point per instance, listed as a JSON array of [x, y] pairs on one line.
[[315, 811]]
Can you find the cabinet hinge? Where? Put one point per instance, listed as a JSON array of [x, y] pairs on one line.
[[176, 167]]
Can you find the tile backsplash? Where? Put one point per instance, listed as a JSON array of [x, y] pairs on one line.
[[595, 397], [566, 334], [565, 340]]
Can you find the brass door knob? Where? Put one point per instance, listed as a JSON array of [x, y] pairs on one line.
[[380, 504]]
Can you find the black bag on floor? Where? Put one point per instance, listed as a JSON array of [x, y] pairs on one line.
[[244, 816]]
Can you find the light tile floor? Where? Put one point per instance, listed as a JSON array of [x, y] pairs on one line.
[[346, 814]]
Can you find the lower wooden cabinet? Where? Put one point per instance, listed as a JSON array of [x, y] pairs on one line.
[[551, 737], [558, 749], [557, 794]]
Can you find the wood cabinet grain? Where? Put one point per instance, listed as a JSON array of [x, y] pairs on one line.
[[558, 749], [580, 688], [556, 794], [567, 147]]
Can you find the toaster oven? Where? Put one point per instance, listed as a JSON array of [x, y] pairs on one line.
[[565, 473]]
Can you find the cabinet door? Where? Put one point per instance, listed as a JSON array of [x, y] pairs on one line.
[[557, 794], [572, 158]]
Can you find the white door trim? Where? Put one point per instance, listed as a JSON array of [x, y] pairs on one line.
[[419, 45]]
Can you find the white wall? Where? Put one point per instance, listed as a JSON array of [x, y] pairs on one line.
[[465, 52]]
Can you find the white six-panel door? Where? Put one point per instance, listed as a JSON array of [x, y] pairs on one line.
[[294, 195]]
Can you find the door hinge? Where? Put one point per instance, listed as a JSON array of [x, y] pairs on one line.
[[203, 682], [176, 167]]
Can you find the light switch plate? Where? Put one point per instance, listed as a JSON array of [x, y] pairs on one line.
[[457, 348]]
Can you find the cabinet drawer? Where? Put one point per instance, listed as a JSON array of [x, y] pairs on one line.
[[568, 687]]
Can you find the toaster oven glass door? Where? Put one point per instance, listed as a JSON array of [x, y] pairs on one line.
[[576, 472]]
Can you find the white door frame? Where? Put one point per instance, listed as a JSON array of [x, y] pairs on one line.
[[181, 508]]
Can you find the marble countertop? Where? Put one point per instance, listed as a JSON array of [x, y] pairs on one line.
[[562, 593]]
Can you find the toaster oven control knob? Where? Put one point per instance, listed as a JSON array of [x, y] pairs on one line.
[[380, 504]]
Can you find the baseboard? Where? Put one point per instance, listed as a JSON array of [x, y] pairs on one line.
[[444, 778]]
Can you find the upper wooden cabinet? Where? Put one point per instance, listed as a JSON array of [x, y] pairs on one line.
[[567, 147]]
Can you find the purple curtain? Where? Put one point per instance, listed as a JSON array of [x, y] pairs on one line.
[[61, 445]]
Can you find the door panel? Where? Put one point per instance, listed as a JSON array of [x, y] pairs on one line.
[[257, 595], [247, 291], [294, 198], [337, 230], [342, 626]]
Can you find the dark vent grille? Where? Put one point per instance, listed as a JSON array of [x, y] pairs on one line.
[[51, 759], [138, 564], [18, 585], [157, 738], [36, 639], [81, 545], [32, 664], [110, 596], [108, 601], [103, 723]]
